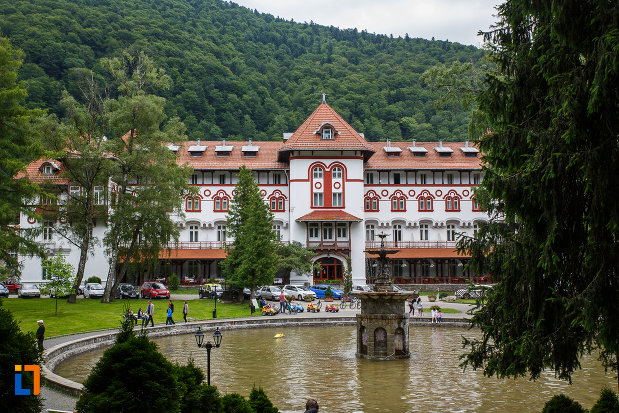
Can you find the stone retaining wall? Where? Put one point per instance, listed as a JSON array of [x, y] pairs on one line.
[[57, 354]]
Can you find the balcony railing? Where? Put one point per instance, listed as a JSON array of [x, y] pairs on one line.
[[411, 244], [197, 245], [329, 245]]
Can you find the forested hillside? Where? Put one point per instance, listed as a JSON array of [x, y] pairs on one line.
[[237, 72]]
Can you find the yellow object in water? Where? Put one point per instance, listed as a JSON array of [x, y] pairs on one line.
[[278, 335]]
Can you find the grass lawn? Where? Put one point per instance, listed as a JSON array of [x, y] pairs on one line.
[[91, 314]]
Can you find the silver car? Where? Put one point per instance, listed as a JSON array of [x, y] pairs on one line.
[[28, 291], [92, 290], [4, 292], [299, 292], [270, 292]]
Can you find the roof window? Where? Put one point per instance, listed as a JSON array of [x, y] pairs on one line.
[[443, 151], [195, 151], [223, 150], [418, 151]]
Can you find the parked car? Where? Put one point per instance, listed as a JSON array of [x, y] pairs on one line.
[[210, 291], [475, 291], [299, 292], [52, 294], [320, 289], [11, 285], [4, 292], [154, 290], [126, 291], [93, 290], [363, 288], [268, 292], [29, 291]]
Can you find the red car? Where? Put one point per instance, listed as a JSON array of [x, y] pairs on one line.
[[154, 290], [12, 286]]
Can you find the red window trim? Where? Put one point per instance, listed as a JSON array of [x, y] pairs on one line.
[[220, 198], [194, 199]]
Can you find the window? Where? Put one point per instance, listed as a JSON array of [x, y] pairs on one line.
[[450, 179], [423, 232], [114, 197], [280, 204], [425, 201], [277, 204], [43, 200], [47, 230], [371, 202], [277, 179], [393, 154], [327, 134], [193, 268], [369, 178], [327, 232], [194, 179], [396, 178], [318, 199], [74, 191], [423, 179], [336, 173], [277, 229], [475, 204], [222, 179], [451, 232], [250, 154], [98, 197], [369, 232], [398, 269], [193, 204], [223, 154], [452, 202], [221, 233], [318, 173], [337, 199], [475, 229], [398, 203], [342, 231], [397, 233], [314, 231], [193, 233], [476, 179], [195, 154], [44, 274], [221, 204], [47, 169]]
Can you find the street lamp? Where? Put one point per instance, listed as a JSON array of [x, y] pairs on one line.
[[217, 336]]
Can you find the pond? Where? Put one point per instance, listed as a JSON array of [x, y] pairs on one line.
[[320, 362]]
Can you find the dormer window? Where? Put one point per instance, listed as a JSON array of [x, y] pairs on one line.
[[327, 133], [47, 169]]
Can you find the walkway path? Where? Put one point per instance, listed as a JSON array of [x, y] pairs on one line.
[[53, 399]]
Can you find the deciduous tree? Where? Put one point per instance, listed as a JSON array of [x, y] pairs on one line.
[[60, 275]]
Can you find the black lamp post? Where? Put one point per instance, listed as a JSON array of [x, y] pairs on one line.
[[215, 310], [217, 336]]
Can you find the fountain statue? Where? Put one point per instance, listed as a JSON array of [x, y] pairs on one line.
[[382, 326]]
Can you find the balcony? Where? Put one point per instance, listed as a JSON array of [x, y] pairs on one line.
[[411, 244], [329, 244], [197, 245]]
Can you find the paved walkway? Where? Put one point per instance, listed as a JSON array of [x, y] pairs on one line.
[[53, 399]]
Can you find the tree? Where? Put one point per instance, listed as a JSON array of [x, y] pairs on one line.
[[18, 147], [347, 287], [60, 274], [16, 347], [551, 159], [149, 184], [251, 259], [293, 257]]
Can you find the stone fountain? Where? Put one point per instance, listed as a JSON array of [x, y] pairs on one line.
[[382, 326]]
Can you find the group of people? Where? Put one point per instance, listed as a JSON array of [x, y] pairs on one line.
[[147, 316], [412, 303], [437, 315]]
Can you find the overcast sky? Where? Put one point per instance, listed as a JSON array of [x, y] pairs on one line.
[[453, 20]]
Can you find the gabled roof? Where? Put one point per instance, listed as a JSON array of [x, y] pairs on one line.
[[328, 215], [307, 137]]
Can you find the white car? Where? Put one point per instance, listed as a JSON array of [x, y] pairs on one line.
[[299, 292], [93, 290], [363, 288], [28, 291]]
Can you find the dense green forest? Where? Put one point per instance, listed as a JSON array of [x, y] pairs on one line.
[[238, 72]]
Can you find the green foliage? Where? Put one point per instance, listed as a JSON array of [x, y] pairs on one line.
[[562, 404], [18, 147], [607, 403], [235, 403], [202, 399], [60, 274], [236, 73], [16, 347], [251, 259], [173, 282], [443, 295], [131, 376], [293, 256], [93, 279], [329, 292], [260, 402], [550, 158], [347, 288]]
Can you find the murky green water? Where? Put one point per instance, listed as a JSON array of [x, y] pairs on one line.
[[320, 362]]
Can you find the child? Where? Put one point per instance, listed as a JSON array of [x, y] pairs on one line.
[[440, 316]]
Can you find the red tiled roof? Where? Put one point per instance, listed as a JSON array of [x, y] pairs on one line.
[[266, 157], [432, 160], [412, 253], [33, 172], [193, 254], [328, 215], [307, 136]]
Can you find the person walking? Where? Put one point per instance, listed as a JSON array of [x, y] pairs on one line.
[[185, 311], [282, 302], [150, 310], [311, 406], [411, 306], [171, 312], [40, 334], [419, 307], [169, 319]]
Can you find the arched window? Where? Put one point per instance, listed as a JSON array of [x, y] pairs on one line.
[[425, 201], [192, 204], [371, 201], [452, 202], [398, 201], [221, 201], [327, 133], [330, 269], [318, 172], [476, 207], [336, 172], [277, 202]]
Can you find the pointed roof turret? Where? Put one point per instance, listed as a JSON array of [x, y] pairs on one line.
[[325, 129]]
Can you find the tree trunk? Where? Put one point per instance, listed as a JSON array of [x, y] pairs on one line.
[[112, 279], [111, 276], [80, 267]]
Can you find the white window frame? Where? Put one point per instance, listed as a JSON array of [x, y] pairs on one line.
[[98, 195], [342, 231], [336, 172], [424, 232], [318, 172], [193, 233], [313, 230], [221, 233], [337, 199], [370, 232], [451, 232], [318, 199]]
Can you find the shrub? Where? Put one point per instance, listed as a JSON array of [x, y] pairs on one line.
[[235, 403], [260, 402], [329, 292], [173, 282], [562, 404], [93, 279], [443, 295], [608, 402]]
